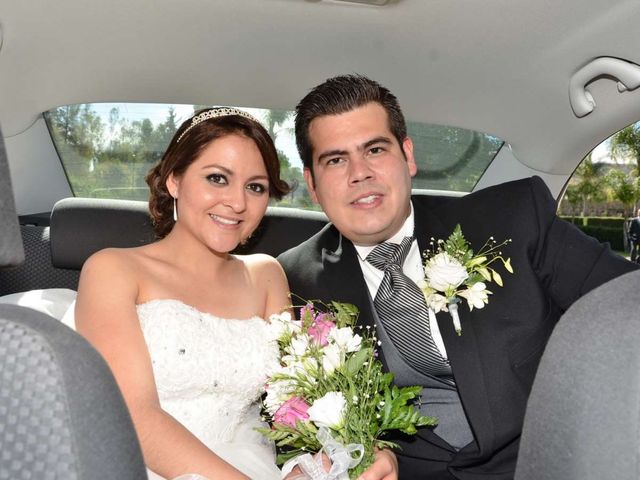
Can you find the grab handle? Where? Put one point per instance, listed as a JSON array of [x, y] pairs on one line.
[[626, 73]]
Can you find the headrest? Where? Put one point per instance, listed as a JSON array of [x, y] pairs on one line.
[[281, 229], [82, 226], [11, 249]]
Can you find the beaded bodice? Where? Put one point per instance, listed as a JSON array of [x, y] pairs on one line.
[[209, 371]]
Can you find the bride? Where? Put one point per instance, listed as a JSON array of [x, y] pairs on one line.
[[180, 321]]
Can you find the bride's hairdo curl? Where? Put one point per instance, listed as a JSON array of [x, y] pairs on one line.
[[191, 138]]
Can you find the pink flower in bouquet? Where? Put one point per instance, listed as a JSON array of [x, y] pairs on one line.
[[307, 310], [320, 329], [291, 411]]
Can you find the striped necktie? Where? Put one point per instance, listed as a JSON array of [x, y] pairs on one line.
[[403, 311]]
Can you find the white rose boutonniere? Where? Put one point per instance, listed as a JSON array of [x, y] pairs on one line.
[[452, 270], [444, 272]]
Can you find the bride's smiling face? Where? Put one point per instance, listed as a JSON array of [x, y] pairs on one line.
[[223, 194]]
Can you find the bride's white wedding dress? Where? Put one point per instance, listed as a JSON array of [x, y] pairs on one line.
[[210, 373]]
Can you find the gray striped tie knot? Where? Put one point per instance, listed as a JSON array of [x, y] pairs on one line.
[[390, 256]]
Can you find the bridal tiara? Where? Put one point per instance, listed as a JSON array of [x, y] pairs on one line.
[[215, 113]]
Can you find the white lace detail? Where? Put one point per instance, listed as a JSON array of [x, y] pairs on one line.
[[210, 372]]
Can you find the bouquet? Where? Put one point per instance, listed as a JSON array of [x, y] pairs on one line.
[[330, 393], [452, 270]]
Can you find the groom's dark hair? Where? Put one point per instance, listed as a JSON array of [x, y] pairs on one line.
[[339, 95]]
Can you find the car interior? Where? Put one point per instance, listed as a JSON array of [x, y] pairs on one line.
[[493, 92]]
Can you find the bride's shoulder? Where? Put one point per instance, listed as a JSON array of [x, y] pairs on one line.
[[113, 258], [124, 264], [261, 265], [269, 280], [257, 260]]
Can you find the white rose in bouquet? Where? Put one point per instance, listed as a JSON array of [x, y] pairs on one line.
[[281, 324], [328, 410], [345, 339], [277, 393], [299, 345], [332, 358]]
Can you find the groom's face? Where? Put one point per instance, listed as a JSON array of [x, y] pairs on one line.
[[361, 174]]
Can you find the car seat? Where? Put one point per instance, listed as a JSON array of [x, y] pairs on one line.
[[583, 415], [62, 415]]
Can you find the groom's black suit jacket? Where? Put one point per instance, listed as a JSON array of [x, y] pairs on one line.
[[495, 359]]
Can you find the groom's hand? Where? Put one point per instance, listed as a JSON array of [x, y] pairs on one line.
[[385, 467]]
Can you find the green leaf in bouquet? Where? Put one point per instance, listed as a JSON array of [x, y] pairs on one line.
[[307, 428], [285, 339], [379, 443], [267, 432], [426, 421], [399, 411], [346, 313], [306, 319], [403, 395], [407, 418], [400, 417], [274, 434], [399, 397], [387, 409], [356, 361], [300, 441], [415, 419], [386, 379], [283, 456]]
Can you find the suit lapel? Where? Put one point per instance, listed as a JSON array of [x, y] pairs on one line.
[[345, 282], [462, 350], [427, 225], [468, 373]]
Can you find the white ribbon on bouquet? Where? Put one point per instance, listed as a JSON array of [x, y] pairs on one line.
[[341, 457]]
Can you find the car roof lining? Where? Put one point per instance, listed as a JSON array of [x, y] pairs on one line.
[[497, 68]]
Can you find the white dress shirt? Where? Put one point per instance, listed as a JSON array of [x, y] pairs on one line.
[[412, 268]]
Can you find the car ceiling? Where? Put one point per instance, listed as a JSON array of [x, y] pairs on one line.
[[498, 66]]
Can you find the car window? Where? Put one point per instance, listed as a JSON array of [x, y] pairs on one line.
[[607, 181], [604, 191], [107, 148]]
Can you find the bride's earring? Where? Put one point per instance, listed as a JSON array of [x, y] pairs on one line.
[[175, 210]]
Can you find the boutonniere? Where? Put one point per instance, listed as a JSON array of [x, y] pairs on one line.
[[453, 271]]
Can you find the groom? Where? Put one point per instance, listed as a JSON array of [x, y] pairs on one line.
[[358, 164]]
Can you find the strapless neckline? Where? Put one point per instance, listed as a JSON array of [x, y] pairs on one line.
[[180, 303]]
